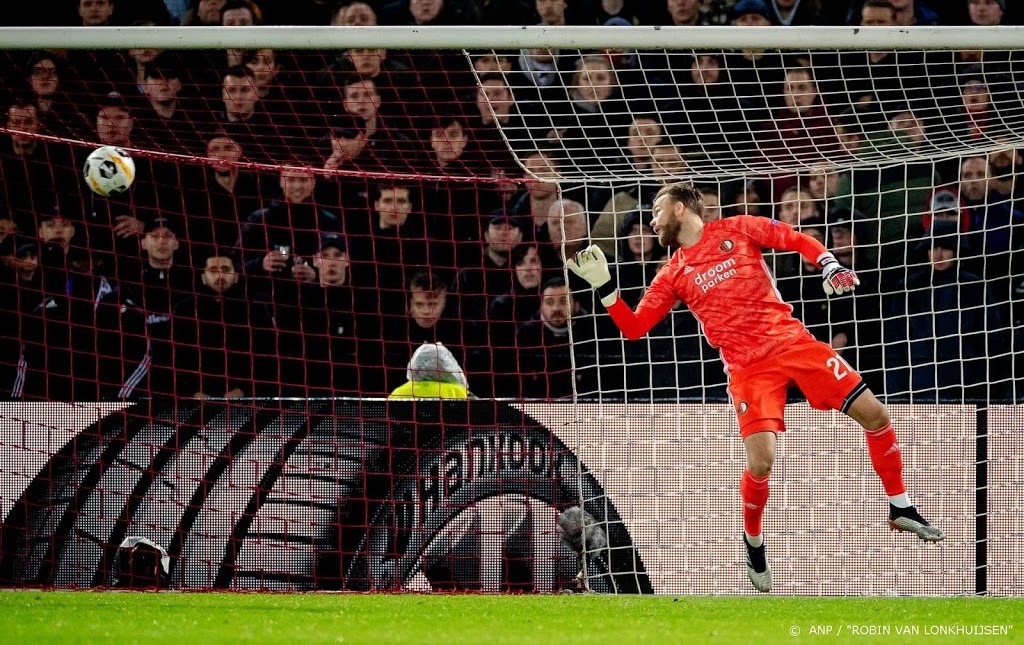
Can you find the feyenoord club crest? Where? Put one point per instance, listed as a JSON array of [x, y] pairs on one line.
[[726, 246]]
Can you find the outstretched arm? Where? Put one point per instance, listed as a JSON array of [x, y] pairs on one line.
[[773, 234], [591, 265]]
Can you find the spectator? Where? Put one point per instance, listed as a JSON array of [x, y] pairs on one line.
[[753, 71], [61, 337], [205, 13], [568, 231], [850, 133], [218, 198], [550, 13], [113, 224], [265, 69], [598, 113], [57, 114], [644, 136], [509, 310], [712, 204], [114, 122], [994, 225], [870, 81], [878, 13], [495, 119], [243, 118], [35, 173], [354, 14], [492, 275], [975, 118], [153, 295], [433, 373], [165, 123], [329, 335], [429, 320], [639, 256], [396, 83], [1004, 165], [713, 117], [279, 241], [898, 193], [240, 13], [830, 188], [796, 205], [8, 227], [21, 289], [155, 11], [545, 352], [911, 13], [801, 130], [95, 13], [343, 149], [536, 202], [398, 245], [945, 205], [221, 339], [986, 13], [542, 79], [846, 231], [392, 149], [939, 333], [454, 207], [449, 138], [796, 12], [684, 13], [668, 163], [130, 81], [424, 12], [748, 200]]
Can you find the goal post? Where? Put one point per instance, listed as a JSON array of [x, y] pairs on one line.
[[203, 361], [497, 37]]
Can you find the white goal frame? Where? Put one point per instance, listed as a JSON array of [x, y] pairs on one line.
[[511, 37]]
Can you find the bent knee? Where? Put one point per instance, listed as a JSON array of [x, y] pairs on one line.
[[760, 467], [877, 417]]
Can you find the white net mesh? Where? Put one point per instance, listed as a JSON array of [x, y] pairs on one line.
[[906, 165]]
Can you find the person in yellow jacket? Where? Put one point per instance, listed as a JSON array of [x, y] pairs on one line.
[[433, 373]]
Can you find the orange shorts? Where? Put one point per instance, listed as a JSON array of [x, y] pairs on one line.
[[758, 391]]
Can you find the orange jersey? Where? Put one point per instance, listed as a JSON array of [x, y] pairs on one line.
[[724, 281]]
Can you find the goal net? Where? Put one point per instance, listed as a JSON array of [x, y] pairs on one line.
[[197, 367]]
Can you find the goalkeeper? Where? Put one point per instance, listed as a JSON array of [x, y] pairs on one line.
[[718, 271]]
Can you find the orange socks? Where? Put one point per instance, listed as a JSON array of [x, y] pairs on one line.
[[754, 493], [886, 458]]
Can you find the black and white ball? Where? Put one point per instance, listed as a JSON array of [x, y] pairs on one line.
[[109, 170]]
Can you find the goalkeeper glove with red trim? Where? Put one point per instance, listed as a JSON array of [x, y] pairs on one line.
[[591, 265], [836, 279]]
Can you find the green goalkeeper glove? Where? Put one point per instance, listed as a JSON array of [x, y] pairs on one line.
[[591, 265]]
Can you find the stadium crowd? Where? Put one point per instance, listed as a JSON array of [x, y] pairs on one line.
[[302, 221]]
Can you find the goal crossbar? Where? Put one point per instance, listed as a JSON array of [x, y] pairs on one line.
[[489, 37]]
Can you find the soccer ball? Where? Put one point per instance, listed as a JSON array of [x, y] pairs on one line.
[[109, 170]]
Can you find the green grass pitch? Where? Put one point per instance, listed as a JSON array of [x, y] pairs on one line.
[[119, 618]]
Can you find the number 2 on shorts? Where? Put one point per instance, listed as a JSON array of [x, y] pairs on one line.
[[837, 364]]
